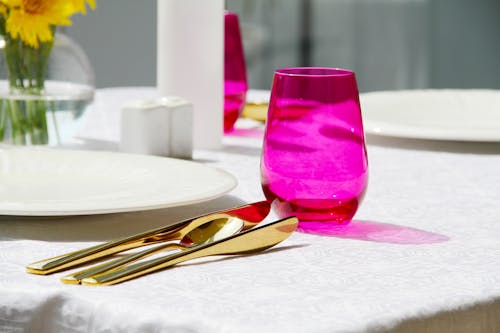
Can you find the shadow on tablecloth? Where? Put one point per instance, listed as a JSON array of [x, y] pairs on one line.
[[104, 227], [478, 318], [373, 232]]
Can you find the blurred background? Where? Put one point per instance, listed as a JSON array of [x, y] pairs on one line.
[[390, 44]]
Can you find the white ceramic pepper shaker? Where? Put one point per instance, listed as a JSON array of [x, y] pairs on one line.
[[161, 127]]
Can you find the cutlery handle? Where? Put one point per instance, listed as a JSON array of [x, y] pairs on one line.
[[92, 253], [256, 239], [76, 278], [250, 213]]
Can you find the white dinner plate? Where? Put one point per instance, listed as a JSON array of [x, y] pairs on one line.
[[455, 115], [45, 182]]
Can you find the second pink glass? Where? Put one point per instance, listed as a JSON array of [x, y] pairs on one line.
[[314, 162], [235, 78]]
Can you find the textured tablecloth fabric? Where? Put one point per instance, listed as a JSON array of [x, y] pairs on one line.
[[423, 254]]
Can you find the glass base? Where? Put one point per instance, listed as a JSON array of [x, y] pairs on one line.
[[339, 212]]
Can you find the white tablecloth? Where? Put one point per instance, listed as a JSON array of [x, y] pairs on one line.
[[423, 254]]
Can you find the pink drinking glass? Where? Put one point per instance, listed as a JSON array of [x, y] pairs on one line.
[[314, 163], [235, 77]]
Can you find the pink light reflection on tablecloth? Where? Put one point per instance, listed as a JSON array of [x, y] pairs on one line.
[[373, 231]]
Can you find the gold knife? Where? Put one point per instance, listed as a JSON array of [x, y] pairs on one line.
[[256, 239]]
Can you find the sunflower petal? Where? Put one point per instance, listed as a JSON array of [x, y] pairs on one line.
[[32, 29]]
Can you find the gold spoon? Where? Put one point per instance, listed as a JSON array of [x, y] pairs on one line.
[[251, 214], [206, 233], [256, 111]]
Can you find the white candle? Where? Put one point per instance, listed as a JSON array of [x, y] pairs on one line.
[[190, 59]]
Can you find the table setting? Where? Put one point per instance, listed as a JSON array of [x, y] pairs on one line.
[[308, 207]]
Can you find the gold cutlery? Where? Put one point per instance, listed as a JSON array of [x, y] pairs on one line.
[[256, 239], [250, 214], [204, 234], [256, 111]]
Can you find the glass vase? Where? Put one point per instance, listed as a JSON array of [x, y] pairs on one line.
[[43, 92]]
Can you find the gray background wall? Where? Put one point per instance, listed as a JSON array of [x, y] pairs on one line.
[[465, 43], [391, 44], [119, 38]]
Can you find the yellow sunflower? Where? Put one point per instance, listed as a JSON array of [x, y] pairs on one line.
[[79, 6], [31, 20]]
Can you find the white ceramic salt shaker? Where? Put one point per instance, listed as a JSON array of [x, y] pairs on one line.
[[161, 127]]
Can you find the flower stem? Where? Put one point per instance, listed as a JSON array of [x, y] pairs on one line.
[[17, 123], [54, 120], [3, 119], [27, 67]]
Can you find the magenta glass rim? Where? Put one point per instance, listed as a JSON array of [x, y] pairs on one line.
[[314, 72]]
